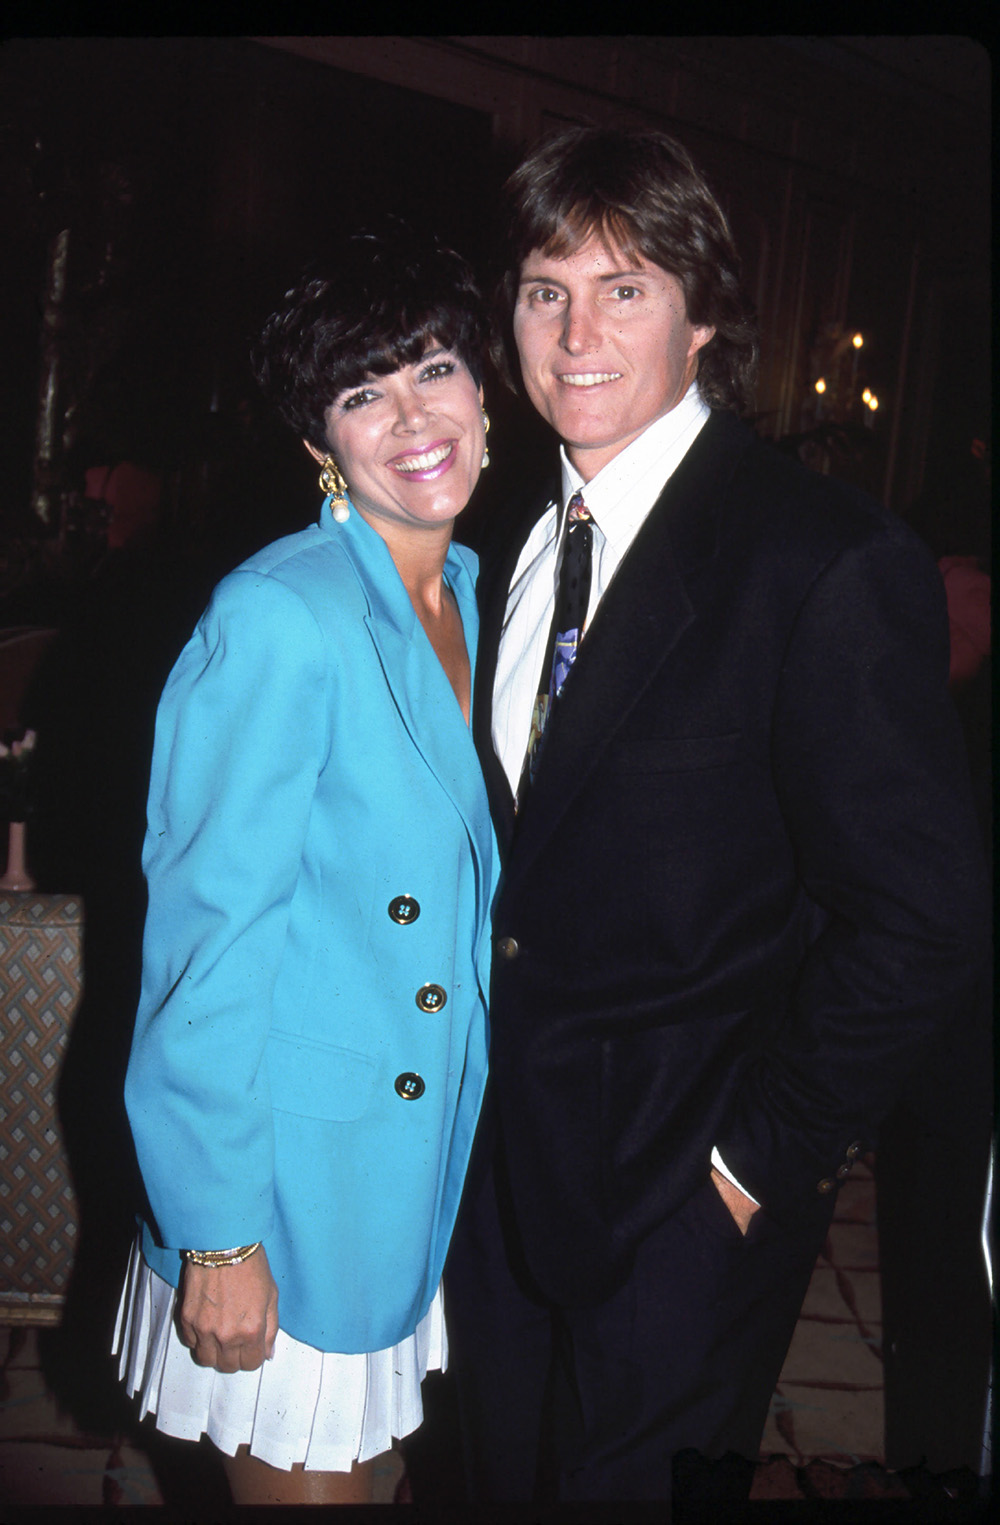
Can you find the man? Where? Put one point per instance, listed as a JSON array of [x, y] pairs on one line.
[[742, 880]]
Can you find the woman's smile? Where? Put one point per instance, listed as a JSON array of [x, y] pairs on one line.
[[429, 464]]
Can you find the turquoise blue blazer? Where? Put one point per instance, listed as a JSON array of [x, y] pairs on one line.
[[310, 1046]]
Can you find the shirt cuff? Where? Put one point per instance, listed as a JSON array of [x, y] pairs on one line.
[[720, 1167]]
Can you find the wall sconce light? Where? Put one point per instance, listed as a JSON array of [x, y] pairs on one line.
[[839, 391]]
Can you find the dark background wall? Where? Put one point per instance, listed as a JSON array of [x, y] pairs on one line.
[[193, 177]]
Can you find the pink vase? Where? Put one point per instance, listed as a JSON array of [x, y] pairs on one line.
[[17, 876]]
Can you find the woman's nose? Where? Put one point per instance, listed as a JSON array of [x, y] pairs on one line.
[[411, 412]]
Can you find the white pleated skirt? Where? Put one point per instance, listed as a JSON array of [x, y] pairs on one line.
[[304, 1405]]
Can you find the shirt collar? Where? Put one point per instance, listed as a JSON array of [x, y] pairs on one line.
[[621, 495]]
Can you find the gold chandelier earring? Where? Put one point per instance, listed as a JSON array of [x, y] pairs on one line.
[[486, 448], [331, 482]]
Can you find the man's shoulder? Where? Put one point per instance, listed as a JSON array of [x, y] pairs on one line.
[[776, 497]]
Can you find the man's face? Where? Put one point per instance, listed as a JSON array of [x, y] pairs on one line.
[[605, 347]]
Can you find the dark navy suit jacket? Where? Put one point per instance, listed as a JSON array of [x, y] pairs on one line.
[[747, 884]]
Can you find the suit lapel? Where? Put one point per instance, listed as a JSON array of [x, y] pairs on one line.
[[641, 617], [497, 565]]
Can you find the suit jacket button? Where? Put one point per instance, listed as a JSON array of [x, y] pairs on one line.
[[826, 1185], [431, 998], [404, 909], [409, 1086], [507, 947]]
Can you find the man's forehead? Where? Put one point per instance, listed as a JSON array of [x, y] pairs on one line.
[[602, 250]]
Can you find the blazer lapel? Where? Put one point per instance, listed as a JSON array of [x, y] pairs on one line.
[[641, 617], [420, 690]]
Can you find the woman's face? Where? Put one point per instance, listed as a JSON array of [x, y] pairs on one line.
[[410, 444]]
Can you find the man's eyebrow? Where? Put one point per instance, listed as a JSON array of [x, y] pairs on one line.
[[619, 275], [630, 273]]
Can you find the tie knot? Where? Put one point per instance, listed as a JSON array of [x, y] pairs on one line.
[[577, 509]]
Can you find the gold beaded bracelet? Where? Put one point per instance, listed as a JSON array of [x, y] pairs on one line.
[[221, 1257]]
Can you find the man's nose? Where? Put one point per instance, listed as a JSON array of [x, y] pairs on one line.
[[581, 331]]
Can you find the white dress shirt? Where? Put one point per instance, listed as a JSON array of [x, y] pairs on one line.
[[619, 499]]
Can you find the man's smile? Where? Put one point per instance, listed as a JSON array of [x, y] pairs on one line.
[[589, 378]]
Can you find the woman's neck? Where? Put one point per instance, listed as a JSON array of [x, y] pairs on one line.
[[419, 555]]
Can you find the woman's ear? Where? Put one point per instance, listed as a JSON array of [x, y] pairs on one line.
[[317, 455]]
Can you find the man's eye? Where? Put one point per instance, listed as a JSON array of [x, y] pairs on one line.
[[626, 293]]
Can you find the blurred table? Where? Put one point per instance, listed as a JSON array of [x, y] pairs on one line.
[[41, 943]]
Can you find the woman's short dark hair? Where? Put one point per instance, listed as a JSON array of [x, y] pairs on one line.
[[640, 189], [377, 301]]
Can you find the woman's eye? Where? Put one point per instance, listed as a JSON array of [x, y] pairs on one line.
[[357, 399], [438, 368]]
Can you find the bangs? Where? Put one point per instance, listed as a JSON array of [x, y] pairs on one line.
[[374, 356], [387, 338]]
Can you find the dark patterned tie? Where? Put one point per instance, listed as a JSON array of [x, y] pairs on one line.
[[568, 619]]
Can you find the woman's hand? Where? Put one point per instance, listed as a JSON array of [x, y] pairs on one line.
[[229, 1314]]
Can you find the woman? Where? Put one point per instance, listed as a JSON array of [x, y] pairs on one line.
[[310, 1047]]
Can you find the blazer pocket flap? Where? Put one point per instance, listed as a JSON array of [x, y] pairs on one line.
[[317, 1080], [676, 754]]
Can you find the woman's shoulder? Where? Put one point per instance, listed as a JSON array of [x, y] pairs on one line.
[[298, 557], [308, 566]]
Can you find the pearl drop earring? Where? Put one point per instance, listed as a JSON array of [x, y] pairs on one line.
[[332, 483]]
